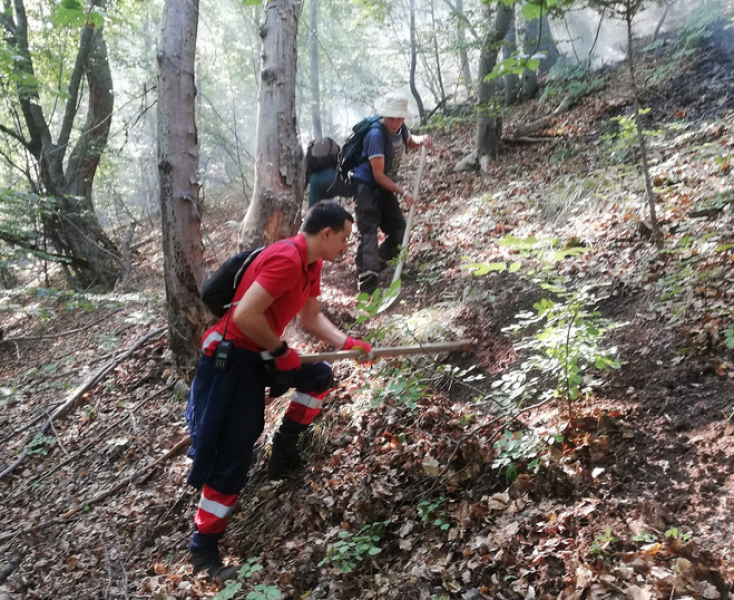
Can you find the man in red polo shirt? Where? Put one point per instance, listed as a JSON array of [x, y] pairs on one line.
[[241, 356]]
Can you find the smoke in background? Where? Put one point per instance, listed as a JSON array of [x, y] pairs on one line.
[[580, 38]]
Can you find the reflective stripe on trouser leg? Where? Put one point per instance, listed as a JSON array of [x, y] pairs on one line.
[[304, 407], [214, 511]]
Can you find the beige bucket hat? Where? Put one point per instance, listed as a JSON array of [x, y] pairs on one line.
[[396, 106]]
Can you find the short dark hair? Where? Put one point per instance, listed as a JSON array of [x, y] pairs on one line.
[[326, 213]]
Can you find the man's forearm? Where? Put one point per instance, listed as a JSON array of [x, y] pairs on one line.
[[388, 184]]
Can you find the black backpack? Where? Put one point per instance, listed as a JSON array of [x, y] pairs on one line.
[[351, 154], [218, 290], [321, 154]]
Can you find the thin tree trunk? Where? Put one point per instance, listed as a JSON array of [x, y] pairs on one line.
[[489, 124], [437, 54], [528, 38], [314, 58], [179, 189], [275, 210], [547, 45], [657, 237], [511, 81], [664, 16], [414, 61], [463, 54]]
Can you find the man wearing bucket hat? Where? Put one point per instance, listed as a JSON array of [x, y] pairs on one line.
[[377, 194]]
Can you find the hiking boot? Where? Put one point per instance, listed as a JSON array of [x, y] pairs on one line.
[[208, 560], [286, 459], [367, 282]]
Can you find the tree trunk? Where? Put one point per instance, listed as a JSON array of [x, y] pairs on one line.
[[69, 220], [463, 54], [656, 233], [413, 62], [527, 32], [547, 45], [489, 123], [179, 189], [314, 58], [511, 81], [275, 210], [437, 54], [534, 36]]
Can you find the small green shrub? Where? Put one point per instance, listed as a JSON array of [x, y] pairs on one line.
[[404, 387], [729, 336], [369, 304], [623, 144], [353, 548], [677, 534], [259, 591], [602, 545], [522, 451], [432, 510], [562, 350], [565, 79], [39, 444]]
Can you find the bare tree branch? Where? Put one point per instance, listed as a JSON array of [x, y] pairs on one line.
[[78, 394]]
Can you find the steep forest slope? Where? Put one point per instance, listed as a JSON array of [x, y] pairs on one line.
[[614, 478]]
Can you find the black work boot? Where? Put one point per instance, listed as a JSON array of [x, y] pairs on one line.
[[367, 282], [286, 458], [207, 559]]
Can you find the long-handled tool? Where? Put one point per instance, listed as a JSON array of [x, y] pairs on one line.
[[461, 345], [392, 293]]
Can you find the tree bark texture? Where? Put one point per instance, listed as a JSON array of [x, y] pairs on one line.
[[275, 210], [489, 124], [511, 81], [69, 220], [314, 75], [179, 188], [414, 62], [463, 54], [656, 233]]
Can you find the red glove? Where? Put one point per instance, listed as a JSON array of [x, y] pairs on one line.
[[354, 343], [288, 361]]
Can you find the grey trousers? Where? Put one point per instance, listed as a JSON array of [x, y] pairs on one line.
[[377, 208]]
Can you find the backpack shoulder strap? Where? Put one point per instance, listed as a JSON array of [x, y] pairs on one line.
[[251, 259]]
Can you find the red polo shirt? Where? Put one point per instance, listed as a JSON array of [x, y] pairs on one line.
[[282, 270]]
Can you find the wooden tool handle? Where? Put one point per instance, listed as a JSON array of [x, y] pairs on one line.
[[462, 345]]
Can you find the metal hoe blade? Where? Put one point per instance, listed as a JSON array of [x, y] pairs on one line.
[[392, 293]]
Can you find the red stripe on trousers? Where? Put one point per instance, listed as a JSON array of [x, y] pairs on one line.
[[205, 521], [303, 414]]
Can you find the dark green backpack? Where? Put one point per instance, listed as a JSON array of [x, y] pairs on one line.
[[351, 154]]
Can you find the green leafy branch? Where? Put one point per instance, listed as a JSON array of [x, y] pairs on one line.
[[259, 592], [353, 548], [563, 349]]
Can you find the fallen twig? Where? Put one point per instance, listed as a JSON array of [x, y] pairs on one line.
[[7, 570], [568, 102], [173, 451], [87, 446], [62, 333], [77, 396]]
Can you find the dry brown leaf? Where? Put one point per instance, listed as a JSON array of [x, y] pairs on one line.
[[638, 593], [431, 466]]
